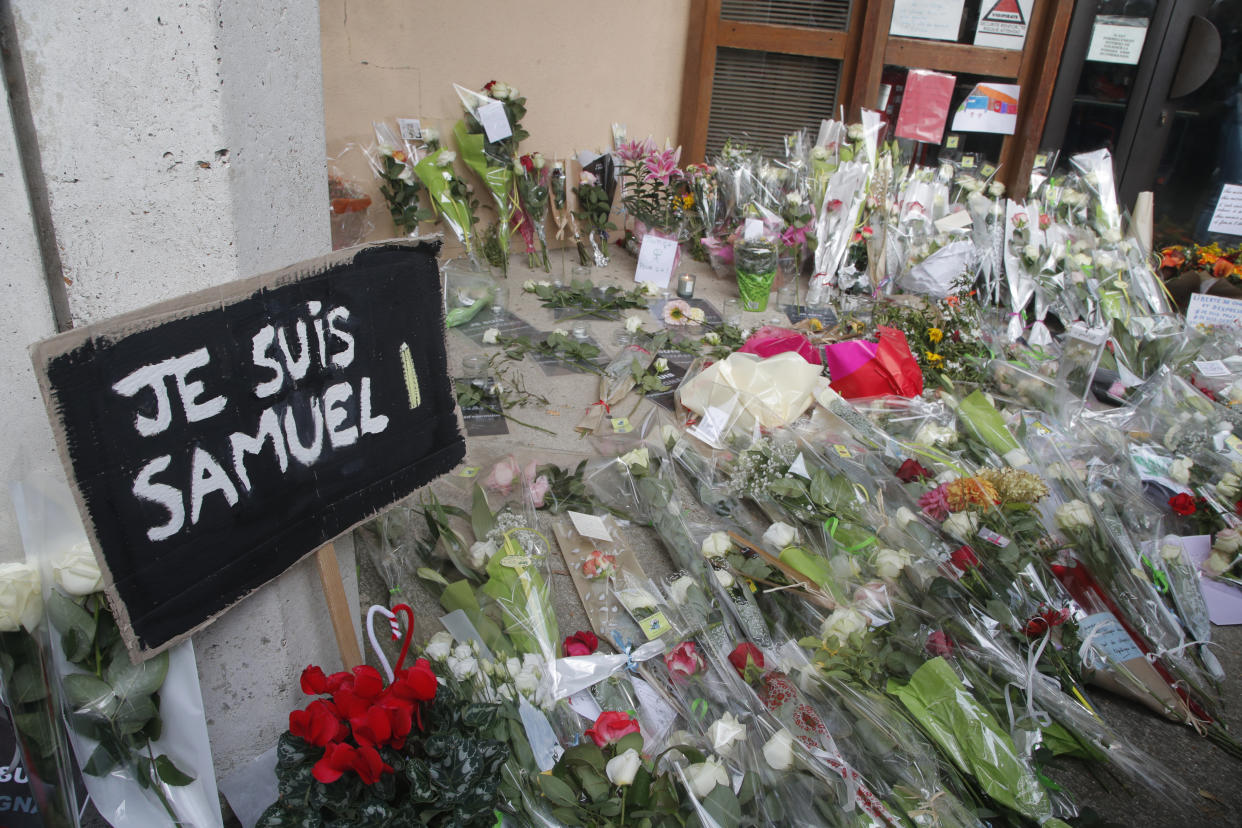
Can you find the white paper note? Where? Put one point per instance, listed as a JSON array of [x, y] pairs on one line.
[[656, 259], [931, 19], [494, 120], [1212, 310], [1228, 215], [411, 129], [1116, 39], [590, 526], [1211, 368]]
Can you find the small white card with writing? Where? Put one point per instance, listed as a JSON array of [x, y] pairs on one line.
[[590, 526], [656, 259], [495, 123], [411, 129], [1228, 215]]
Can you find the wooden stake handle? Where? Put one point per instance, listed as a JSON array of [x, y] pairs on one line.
[[338, 606]]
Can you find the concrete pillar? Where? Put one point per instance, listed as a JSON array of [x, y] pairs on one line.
[[182, 144]]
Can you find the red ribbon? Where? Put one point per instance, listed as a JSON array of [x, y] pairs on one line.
[[607, 408]]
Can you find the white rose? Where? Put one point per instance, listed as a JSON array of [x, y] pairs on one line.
[[1073, 515], [480, 553], [1228, 541], [633, 323], [544, 283], [622, 769], [716, 545], [855, 132], [526, 681], [724, 732], [636, 459], [819, 153], [431, 135], [651, 288], [996, 189], [463, 668], [636, 599], [947, 476], [793, 199], [439, 647], [529, 286], [905, 517], [711, 338], [1017, 458], [843, 623], [696, 315], [1179, 470], [679, 589], [961, 524], [703, 777], [724, 578], [21, 597], [779, 751], [445, 158], [1217, 562], [1171, 549], [490, 336], [660, 365], [934, 434], [890, 562], [779, 536], [1031, 251], [78, 573], [561, 331]]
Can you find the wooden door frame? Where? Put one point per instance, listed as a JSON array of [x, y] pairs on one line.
[[865, 49]]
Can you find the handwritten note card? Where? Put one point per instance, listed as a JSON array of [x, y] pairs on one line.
[[1228, 215], [1213, 310], [656, 260], [931, 19], [495, 123], [411, 129]]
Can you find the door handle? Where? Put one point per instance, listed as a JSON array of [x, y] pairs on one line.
[[1200, 54]]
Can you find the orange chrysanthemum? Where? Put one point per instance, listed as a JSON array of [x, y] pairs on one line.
[[970, 491]]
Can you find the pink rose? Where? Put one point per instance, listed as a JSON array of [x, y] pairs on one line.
[[502, 476], [684, 660], [538, 490]]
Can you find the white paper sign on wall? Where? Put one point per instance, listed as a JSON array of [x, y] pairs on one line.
[[932, 19], [1116, 39], [1002, 23]]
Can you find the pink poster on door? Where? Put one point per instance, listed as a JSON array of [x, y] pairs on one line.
[[925, 105]]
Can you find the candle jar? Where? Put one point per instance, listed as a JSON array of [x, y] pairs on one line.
[[579, 331], [685, 285], [474, 365]]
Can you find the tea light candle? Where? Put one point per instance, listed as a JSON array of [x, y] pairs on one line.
[[685, 285], [579, 331]]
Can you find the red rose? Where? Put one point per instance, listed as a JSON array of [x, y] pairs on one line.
[[956, 336], [1237, 507], [964, 558], [684, 660], [487, 87], [368, 765], [581, 643], [1046, 620], [939, 643], [528, 163], [417, 683], [1183, 504], [912, 470], [314, 682], [745, 655], [611, 726], [337, 758], [318, 724]]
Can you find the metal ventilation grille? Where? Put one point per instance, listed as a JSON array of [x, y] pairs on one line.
[[811, 14], [760, 97]]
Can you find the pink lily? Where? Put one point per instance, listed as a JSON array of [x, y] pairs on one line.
[[636, 150], [662, 166]]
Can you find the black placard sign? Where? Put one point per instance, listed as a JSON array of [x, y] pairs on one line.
[[215, 440]]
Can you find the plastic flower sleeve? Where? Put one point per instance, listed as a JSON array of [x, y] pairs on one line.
[[1097, 172], [450, 197], [108, 701], [351, 221], [972, 738], [834, 228], [393, 160]]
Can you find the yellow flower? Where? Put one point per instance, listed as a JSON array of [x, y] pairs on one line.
[[687, 201], [932, 358], [934, 335]]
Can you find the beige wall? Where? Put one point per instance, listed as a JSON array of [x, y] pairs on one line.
[[581, 64]]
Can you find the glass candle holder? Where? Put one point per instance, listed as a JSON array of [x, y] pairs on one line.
[[685, 285], [580, 331], [473, 365]]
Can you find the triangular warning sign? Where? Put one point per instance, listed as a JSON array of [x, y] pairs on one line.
[[1005, 11]]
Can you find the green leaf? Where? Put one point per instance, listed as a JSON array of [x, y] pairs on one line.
[[481, 519], [723, 807], [66, 615], [557, 791], [90, 696], [431, 575], [586, 754], [630, 740], [129, 679], [133, 714], [76, 646], [170, 773], [27, 684], [101, 762], [36, 731]]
